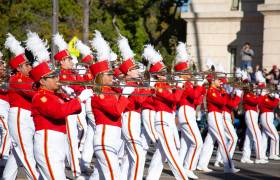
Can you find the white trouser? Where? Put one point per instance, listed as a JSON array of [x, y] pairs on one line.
[[21, 128], [73, 153], [148, 118], [191, 138], [107, 142], [230, 135], [254, 134], [216, 132], [50, 148], [87, 153], [82, 127], [5, 140], [131, 130], [269, 131], [166, 148]]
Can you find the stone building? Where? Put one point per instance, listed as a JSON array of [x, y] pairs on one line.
[[217, 29]]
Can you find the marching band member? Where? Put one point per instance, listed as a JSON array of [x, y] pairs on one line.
[[73, 122], [5, 107], [107, 108], [253, 132], [131, 119], [215, 102], [233, 98], [20, 124], [87, 152], [164, 101], [187, 120], [268, 103], [49, 112]]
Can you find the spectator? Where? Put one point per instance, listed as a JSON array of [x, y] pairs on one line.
[[273, 76], [247, 55]]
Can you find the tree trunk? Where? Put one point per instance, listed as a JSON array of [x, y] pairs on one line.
[[54, 26], [86, 21]]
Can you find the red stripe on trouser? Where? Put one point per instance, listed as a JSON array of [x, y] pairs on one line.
[[194, 152], [46, 153], [150, 121], [71, 148], [271, 133], [222, 140], [104, 152], [134, 146], [5, 137], [229, 133], [255, 134], [22, 146], [167, 145]]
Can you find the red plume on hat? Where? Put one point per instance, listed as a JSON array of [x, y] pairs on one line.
[[38, 47], [103, 51], [154, 58], [182, 57], [62, 47], [14, 46]]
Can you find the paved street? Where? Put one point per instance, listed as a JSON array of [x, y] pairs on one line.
[[269, 171]]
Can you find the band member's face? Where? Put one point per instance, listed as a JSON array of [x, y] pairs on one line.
[[133, 73], [67, 63], [50, 83], [107, 78], [24, 68], [217, 82]]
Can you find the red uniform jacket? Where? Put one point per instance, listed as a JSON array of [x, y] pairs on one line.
[[200, 98], [250, 101], [4, 95], [232, 102], [267, 104], [135, 102], [149, 102], [71, 76], [49, 111], [88, 76], [107, 109], [190, 94], [21, 91], [215, 99], [166, 98]]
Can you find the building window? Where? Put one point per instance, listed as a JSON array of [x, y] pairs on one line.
[[235, 5]]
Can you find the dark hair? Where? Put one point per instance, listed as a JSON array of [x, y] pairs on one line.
[[246, 43]]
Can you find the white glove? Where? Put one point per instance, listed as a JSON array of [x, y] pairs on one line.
[[276, 95], [152, 82], [264, 92], [81, 69], [180, 81], [69, 91], [272, 95], [85, 94], [127, 91], [238, 92], [200, 83]]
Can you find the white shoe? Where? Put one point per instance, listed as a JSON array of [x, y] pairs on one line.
[[244, 160], [191, 175], [204, 169], [217, 164], [231, 170], [80, 178], [261, 161], [274, 157], [265, 158]]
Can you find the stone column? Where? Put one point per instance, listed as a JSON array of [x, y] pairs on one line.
[[271, 36]]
